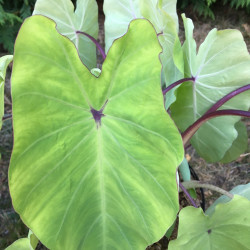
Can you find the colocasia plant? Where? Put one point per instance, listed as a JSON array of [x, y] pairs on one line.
[[96, 154]]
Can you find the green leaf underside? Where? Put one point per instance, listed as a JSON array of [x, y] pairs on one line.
[[163, 16], [239, 145], [119, 13], [172, 54], [84, 18], [86, 184], [221, 66], [228, 227], [4, 62], [242, 190]]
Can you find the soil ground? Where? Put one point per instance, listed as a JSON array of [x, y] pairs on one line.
[[225, 176]]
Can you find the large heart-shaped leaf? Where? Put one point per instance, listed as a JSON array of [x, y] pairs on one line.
[[221, 66], [4, 62], [85, 19], [227, 228], [94, 160]]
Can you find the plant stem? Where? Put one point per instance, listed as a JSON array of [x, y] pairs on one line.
[[176, 84], [190, 131], [200, 184], [187, 194], [196, 177], [7, 117], [228, 97], [99, 47]]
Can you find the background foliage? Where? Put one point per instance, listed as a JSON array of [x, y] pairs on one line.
[[13, 12], [205, 7]]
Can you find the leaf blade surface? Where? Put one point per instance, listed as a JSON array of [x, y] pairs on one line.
[[221, 66], [226, 228], [101, 171]]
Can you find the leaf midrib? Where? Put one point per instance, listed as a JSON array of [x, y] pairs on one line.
[[102, 185]]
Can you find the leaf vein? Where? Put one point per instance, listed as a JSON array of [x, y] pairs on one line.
[[145, 170], [57, 165]]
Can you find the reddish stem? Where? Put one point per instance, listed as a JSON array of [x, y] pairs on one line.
[[190, 131], [188, 195], [99, 47], [228, 97], [171, 86]]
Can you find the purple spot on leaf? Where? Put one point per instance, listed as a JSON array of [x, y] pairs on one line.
[[98, 114]]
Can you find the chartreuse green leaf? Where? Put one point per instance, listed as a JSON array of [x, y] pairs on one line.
[[94, 160], [4, 62], [28, 243], [242, 190], [227, 228], [33, 240], [221, 66], [68, 21], [20, 244]]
